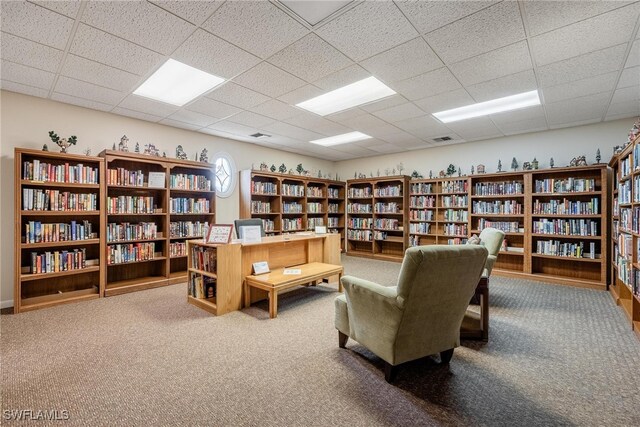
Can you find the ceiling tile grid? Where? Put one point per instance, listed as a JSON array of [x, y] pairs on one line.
[[36, 23]]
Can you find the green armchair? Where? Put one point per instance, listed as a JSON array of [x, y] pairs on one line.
[[419, 317], [491, 238]]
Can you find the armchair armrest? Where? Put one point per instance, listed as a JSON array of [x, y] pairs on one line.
[[491, 260]]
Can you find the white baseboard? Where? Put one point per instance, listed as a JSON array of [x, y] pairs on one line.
[[6, 304]]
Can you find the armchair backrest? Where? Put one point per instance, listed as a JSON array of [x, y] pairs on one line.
[[491, 238], [435, 285]]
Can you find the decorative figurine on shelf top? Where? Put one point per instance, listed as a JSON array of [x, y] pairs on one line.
[[526, 166], [451, 170], [618, 149], [195, 156], [45, 148], [307, 173], [282, 168], [415, 175], [273, 168], [87, 152], [472, 170], [430, 174], [551, 162], [400, 168], [123, 145], [319, 173], [137, 149], [387, 171], [204, 156], [499, 165], [370, 174], [442, 174], [514, 164], [63, 143], [264, 167], [164, 154], [114, 147], [299, 169], [578, 161], [598, 157], [378, 173], [180, 153], [534, 163], [362, 176], [393, 171], [355, 175], [151, 150], [459, 171], [480, 169], [290, 171]]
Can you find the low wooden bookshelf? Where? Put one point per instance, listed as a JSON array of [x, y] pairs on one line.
[[58, 216], [289, 203], [378, 220], [180, 207]]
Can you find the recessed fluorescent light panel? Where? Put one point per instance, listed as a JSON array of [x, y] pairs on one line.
[[340, 139], [500, 105], [177, 83], [358, 93]]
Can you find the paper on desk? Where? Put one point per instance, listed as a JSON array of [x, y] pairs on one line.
[[292, 271]]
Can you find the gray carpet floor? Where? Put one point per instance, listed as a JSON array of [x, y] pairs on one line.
[[556, 356]]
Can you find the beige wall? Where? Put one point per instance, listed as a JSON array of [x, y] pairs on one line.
[[561, 144], [26, 121]]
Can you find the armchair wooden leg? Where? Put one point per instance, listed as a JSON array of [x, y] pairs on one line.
[[445, 356], [389, 372], [342, 339]]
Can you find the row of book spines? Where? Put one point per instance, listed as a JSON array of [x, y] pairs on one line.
[[123, 253], [127, 231], [189, 182], [56, 261], [71, 174], [124, 177], [570, 250], [202, 287], [130, 204], [177, 249], [568, 185], [37, 232], [187, 229], [55, 200], [204, 259]]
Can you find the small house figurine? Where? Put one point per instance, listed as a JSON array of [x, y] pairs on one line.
[[551, 163], [499, 165], [534, 164], [430, 174], [514, 164], [598, 157], [137, 149], [180, 153], [472, 170], [526, 166], [480, 169], [264, 167], [442, 174], [204, 156], [123, 145]]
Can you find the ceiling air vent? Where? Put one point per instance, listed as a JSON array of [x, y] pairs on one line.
[[442, 139], [260, 135]]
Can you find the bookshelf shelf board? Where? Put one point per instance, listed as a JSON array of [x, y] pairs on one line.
[[208, 304], [540, 215], [511, 253], [51, 300], [456, 193], [335, 198], [177, 256], [422, 207], [58, 184], [392, 239], [361, 213], [444, 221], [191, 213], [185, 238], [422, 220], [137, 214], [266, 194], [360, 198], [391, 230], [154, 259], [388, 197], [292, 197], [497, 196], [293, 213], [388, 213], [180, 190], [59, 213], [60, 244], [316, 197], [265, 213], [423, 234], [293, 230], [506, 233], [124, 286], [29, 277], [203, 273], [568, 194], [565, 236], [359, 240], [422, 194], [338, 227], [356, 228], [454, 235], [134, 187], [116, 242], [316, 213], [566, 258], [498, 215]]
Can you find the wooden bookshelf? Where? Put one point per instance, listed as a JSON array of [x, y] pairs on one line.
[[174, 208], [624, 283], [292, 203], [378, 220], [60, 285]]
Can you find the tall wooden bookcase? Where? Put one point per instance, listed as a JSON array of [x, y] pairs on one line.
[[378, 220], [57, 232], [177, 213], [625, 240], [291, 203]]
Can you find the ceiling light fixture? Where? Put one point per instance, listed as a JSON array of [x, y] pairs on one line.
[[358, 93], [177, 83], [340, 139], [508, 103]]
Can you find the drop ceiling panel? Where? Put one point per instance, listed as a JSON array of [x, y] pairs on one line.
[[503, 86], [545, 16], [20, 88], [68, 99], [531, 125], [110, 50], [474, 129], [136, 114], [258, 27], [345, 115], [631, 93], [588, 86], [317, 124], [89, 91], [67, 8], [445, 101], [586, 36], [193, 118], [427, 84], [277, 110], [311, 49], [301, 94], [577, 109], [22, 74], [195, 12], [389, 133], [35, 23], [627, 108], [214, 55], [248, 118], [583, 66], [524, 114], [491, 28], [269, 80], [401, 62], [140, 22], [424, 127], [629, 77], [292, 131], [634, 56], [179, 124], [427, 16], [399, 112], [501, 62], [341, 78], [145, 105], [93, 72], [236, 95], [233, 128], [363, 122], [368, 29], [29, 53], [354, 149], [213, 108], [383, 104]]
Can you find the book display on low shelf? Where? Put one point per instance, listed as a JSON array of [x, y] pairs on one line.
[[154, 205], [625, 240], [292, 203], [498, 200], [57, 233], [378, 220]]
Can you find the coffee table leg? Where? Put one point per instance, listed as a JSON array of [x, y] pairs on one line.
[[273, 304], [247, 294]]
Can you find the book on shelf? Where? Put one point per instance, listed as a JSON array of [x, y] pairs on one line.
[[421, 188], [189, 205], [130, 204], [572, 227], [333, 193], [47, 172], [564, 185], [293, 190], [55, 200], [57, 261], [37, 232], [203, 259], [187, 229], [567, 207], [389, 191], [356, 192], [202, 287], [455, 186], [258, 206], [391, 207], [566, 250], [131, 231], [189, 182], [497, 207], [130, 252], [125, 177], [265, 188], [359, 208], [315, 191], [422, 202], [498, 188], [177, 249]]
